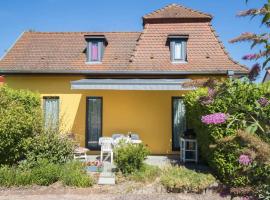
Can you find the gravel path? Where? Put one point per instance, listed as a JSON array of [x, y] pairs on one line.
[[113, 197], [123, 190]]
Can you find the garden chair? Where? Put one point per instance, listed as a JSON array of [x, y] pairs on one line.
[[80, 153], [106, 147]]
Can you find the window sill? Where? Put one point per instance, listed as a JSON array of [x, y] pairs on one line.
[[93, 62], [179, 62]]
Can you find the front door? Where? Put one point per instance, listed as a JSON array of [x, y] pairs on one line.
[[178, 121], [93, 122]]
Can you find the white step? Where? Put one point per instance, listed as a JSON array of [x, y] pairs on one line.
[[106, 180]]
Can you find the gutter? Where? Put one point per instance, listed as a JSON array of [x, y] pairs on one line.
[[130, 72]]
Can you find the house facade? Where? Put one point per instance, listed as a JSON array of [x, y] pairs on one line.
[[99, 83]]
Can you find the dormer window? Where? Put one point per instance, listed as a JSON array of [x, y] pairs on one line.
[[178, 48], [95, 48]]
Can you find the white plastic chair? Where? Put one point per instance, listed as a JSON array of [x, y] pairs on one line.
[[106, 147]]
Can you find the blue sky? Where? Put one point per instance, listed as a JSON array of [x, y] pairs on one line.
[[17, 16]]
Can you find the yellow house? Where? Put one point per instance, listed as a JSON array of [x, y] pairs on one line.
[[101, 83]]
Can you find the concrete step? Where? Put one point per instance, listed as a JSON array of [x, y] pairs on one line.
[[106, 181], [107, 175]]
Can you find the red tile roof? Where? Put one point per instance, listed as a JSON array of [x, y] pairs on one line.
[[126, 52], [176, 11]]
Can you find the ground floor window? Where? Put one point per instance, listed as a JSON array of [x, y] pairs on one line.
[[178, 121], [51, 112], [93, 122]]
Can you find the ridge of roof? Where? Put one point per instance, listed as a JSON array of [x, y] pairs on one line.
[[80, 32], [203, 15]]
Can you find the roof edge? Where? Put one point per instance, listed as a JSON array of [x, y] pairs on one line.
[[13, 44], [130, 72]]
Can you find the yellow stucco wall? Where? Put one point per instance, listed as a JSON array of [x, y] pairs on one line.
[[146, 112]]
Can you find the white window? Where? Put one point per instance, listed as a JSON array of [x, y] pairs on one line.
[[51, 112], [178, 49]]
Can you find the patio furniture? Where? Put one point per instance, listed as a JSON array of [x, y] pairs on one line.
[[117, 135], [134, 136], [80, 153], [122, 139], [106, 147], [188, 147]]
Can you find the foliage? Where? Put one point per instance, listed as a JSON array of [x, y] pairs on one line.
[[239, 100], [263, 192], [74, 175], [181, 179], [50, 145], [20, 120], [129, 157], [147, 173], [261, 40], [45, 173], [240, 159]]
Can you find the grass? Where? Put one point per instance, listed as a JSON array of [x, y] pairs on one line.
[[44, 173], [181, 179], [147, 173]]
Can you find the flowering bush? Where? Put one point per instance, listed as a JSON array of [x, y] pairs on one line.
[[217, 114], [216, 118]]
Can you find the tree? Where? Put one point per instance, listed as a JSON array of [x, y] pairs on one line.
[[262, 39]]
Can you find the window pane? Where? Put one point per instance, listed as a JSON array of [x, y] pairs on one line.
[[94, 120], [178, 51], [94, 51], [51, 113]]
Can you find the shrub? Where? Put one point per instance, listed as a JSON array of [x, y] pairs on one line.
[[243, 103], [50, 145], [181, 179], [242, 160], [73, 174], [129, 157], [147, 173], [20, 119], [11, 176], [217, 113], [45, 173]]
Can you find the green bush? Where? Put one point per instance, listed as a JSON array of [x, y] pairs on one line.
[[147, 173], [129, 157], [238, 99], [20, 119], [73, 174], [181, 179], [45, 173], [246, 107], [50, 145]]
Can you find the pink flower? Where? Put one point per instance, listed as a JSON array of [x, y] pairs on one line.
[[249, 57], [263, 102], [216, 118], [244, 159]]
